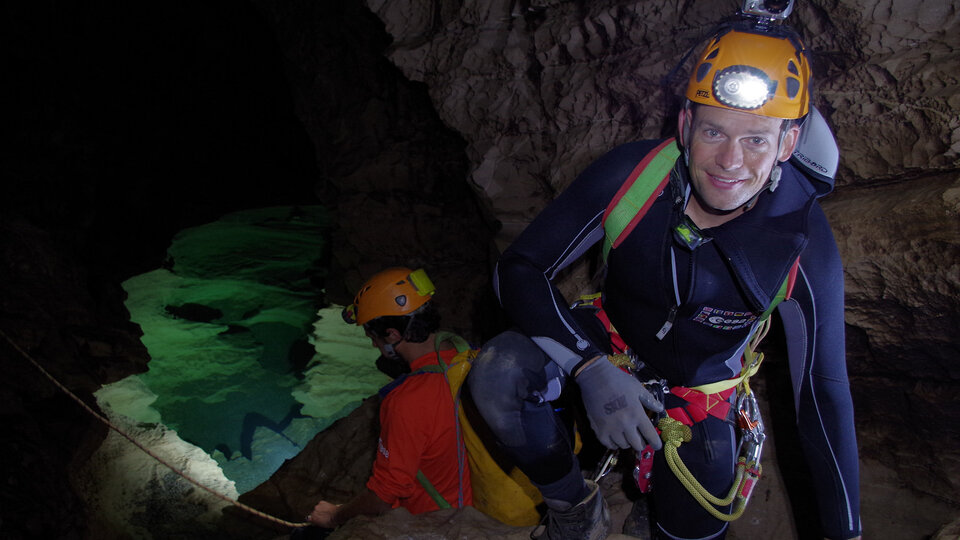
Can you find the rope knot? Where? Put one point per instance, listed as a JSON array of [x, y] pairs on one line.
[[673, 432]]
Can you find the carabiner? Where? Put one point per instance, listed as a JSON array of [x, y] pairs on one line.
[[751, 427]]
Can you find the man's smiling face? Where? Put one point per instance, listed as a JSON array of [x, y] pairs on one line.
[[732, 154]]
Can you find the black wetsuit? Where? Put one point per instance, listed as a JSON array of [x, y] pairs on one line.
[[716, 292]]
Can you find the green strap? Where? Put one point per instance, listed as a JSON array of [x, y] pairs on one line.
[[441, 366], [459, 343], [637, 193], [432, 368], [432, 491], [752, 358], [782, 293]]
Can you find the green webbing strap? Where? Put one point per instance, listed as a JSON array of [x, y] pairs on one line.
[[636, 195], [784, 291], [432, 491], [751, 363], [752, 358], [459, 343], [432, 368]]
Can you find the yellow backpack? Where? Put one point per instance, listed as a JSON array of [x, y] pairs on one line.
[[506, 496]]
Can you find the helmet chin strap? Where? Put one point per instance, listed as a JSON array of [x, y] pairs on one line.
[[390, 351], [771, 184]]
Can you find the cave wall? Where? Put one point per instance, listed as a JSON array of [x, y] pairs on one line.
[[394, 168]]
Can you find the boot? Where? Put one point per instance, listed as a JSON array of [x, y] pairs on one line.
[[637, 523], [587, 520]]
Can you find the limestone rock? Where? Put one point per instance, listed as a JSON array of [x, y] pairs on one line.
[[129, 494], [50, 321], [901, 249]]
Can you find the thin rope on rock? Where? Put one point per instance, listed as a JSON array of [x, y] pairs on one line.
[[146, 450]]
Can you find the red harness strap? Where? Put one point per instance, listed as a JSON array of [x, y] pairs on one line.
[[700, 405], [616, 342]]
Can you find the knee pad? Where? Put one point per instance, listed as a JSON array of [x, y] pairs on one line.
[[508, 369]]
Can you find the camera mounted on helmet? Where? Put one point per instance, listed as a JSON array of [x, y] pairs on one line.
[[768, 11]]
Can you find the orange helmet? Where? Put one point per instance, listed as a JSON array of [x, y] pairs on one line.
[[761, 74], [394, 291]]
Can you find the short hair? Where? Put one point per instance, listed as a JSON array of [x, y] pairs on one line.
[[415, 327]]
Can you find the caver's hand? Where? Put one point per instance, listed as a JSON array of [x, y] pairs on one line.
[[324, 515], [616, 404]]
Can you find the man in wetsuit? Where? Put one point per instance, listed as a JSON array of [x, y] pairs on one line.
[[684, 289], [421, 459]]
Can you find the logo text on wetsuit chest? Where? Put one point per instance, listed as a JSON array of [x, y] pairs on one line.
[[723, 319]]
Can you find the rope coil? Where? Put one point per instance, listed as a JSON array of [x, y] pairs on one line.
[[179, 471], [673, 434]]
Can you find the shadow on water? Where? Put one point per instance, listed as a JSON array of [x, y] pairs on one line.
[[254, 420]]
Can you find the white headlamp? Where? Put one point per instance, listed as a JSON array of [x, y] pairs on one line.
[[743, 87]]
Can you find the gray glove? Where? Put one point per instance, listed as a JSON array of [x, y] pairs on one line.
[[615, 402]]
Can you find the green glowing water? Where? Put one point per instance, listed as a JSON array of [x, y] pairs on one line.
[[243, 364]]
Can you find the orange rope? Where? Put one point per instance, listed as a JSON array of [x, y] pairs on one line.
[[146, 450]]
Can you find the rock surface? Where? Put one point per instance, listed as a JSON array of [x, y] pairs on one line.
[[390, 165], [131, 496]]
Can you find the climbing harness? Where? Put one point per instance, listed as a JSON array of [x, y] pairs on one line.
[[141, 446], [674, 425], [710, 400], [631, 202], [675, 430]]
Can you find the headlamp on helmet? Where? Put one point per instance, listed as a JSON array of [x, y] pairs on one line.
[[763, 74], [743, 87]]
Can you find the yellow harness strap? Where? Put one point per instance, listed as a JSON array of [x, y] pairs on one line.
[[751, 363]]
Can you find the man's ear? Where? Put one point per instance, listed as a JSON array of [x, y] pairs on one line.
[[790, 139], [393, 336], [684, 119]]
